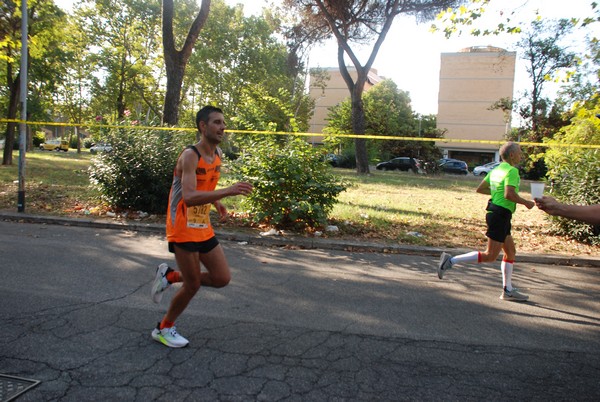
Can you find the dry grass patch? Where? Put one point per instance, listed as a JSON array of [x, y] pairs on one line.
[[440, 211], [389, 207]]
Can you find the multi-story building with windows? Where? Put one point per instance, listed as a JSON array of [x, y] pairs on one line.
[[471, 81]]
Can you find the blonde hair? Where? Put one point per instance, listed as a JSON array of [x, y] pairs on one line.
[[507, 149]]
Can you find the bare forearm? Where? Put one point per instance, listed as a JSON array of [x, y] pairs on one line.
[[585, 213], [516, 198], [483, 188], [205, 197], [511, 195], [194, 197]]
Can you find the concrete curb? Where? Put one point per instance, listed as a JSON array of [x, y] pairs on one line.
[[294, 241]]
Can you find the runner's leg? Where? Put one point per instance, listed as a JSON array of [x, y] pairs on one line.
[[218, 274], [508, 261], [492, 251], [188, 263]]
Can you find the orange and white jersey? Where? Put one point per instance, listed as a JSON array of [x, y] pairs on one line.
[[192, 224]]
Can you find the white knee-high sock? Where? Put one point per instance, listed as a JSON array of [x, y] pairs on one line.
[[473, 256], [507, 269]]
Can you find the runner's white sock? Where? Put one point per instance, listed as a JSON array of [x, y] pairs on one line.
[[473, 256], [507, 269]]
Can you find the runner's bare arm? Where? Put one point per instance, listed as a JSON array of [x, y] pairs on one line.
[[191, 196], [511, 194], [483, 188]]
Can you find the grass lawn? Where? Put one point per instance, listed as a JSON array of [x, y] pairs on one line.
[[392, 207], [441, 211], [56, 183]]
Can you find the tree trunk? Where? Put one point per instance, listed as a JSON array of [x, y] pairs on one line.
[[13, 105], [357, 87], [172, 96], [176, 60], [121, 94], [358, 127]]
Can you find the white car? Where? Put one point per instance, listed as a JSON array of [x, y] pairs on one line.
[[100, 147], [483, 170]]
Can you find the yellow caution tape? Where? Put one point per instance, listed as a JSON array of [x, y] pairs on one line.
[[364, 136], [50, 123]]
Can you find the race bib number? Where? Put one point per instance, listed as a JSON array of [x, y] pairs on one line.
[[198, 216]]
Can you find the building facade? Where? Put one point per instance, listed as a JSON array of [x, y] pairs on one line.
[[471, 81], [331, 92]]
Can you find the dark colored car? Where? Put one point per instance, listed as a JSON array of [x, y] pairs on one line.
[[332, 159], [455, 167], [401, 163], [444, 160]]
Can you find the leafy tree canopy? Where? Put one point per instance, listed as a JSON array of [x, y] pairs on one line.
[[387, 113]]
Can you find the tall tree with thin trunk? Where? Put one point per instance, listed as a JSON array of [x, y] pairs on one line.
[[42, 14], [358, 22], [176, 60], [545, 58], [124, 37]]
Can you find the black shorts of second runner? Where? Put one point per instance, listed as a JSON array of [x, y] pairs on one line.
[[498, 225], [201, 247]]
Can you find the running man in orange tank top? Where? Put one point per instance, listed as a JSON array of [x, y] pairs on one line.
[[189, 231]]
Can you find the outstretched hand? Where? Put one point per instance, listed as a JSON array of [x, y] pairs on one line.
[[241, 188], [547, 204]]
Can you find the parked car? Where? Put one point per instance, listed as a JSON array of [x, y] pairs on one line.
[[332, 159], [401, 163], [55, 145], [455, 167], [444, 160], [484, 169], [100, 147]]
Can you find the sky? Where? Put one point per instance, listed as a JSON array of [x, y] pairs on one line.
[[410, 54]]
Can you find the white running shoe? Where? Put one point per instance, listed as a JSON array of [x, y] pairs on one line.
[[160, 283], [444, 265], [169, 337]]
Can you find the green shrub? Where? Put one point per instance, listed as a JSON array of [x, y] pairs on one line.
[[39, 137], [574, 173], [137, 173], [293, 186], [87, 143], [347, 159]]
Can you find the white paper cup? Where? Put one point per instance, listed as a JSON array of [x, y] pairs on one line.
[[537, 190]]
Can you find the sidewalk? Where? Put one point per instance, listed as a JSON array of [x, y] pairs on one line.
[[297, 241]]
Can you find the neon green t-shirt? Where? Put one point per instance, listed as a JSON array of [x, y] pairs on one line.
[[500, 177]]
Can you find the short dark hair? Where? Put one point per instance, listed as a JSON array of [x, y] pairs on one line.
[[204, 113]]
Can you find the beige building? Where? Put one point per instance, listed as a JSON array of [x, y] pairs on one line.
[[332, 92], [470, 82]]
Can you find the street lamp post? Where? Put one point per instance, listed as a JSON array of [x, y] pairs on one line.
[[23, 98]]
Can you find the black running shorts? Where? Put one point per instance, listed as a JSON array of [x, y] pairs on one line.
[[201, 247], [498, 222]]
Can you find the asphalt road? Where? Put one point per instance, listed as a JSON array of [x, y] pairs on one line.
[[298, 325]]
